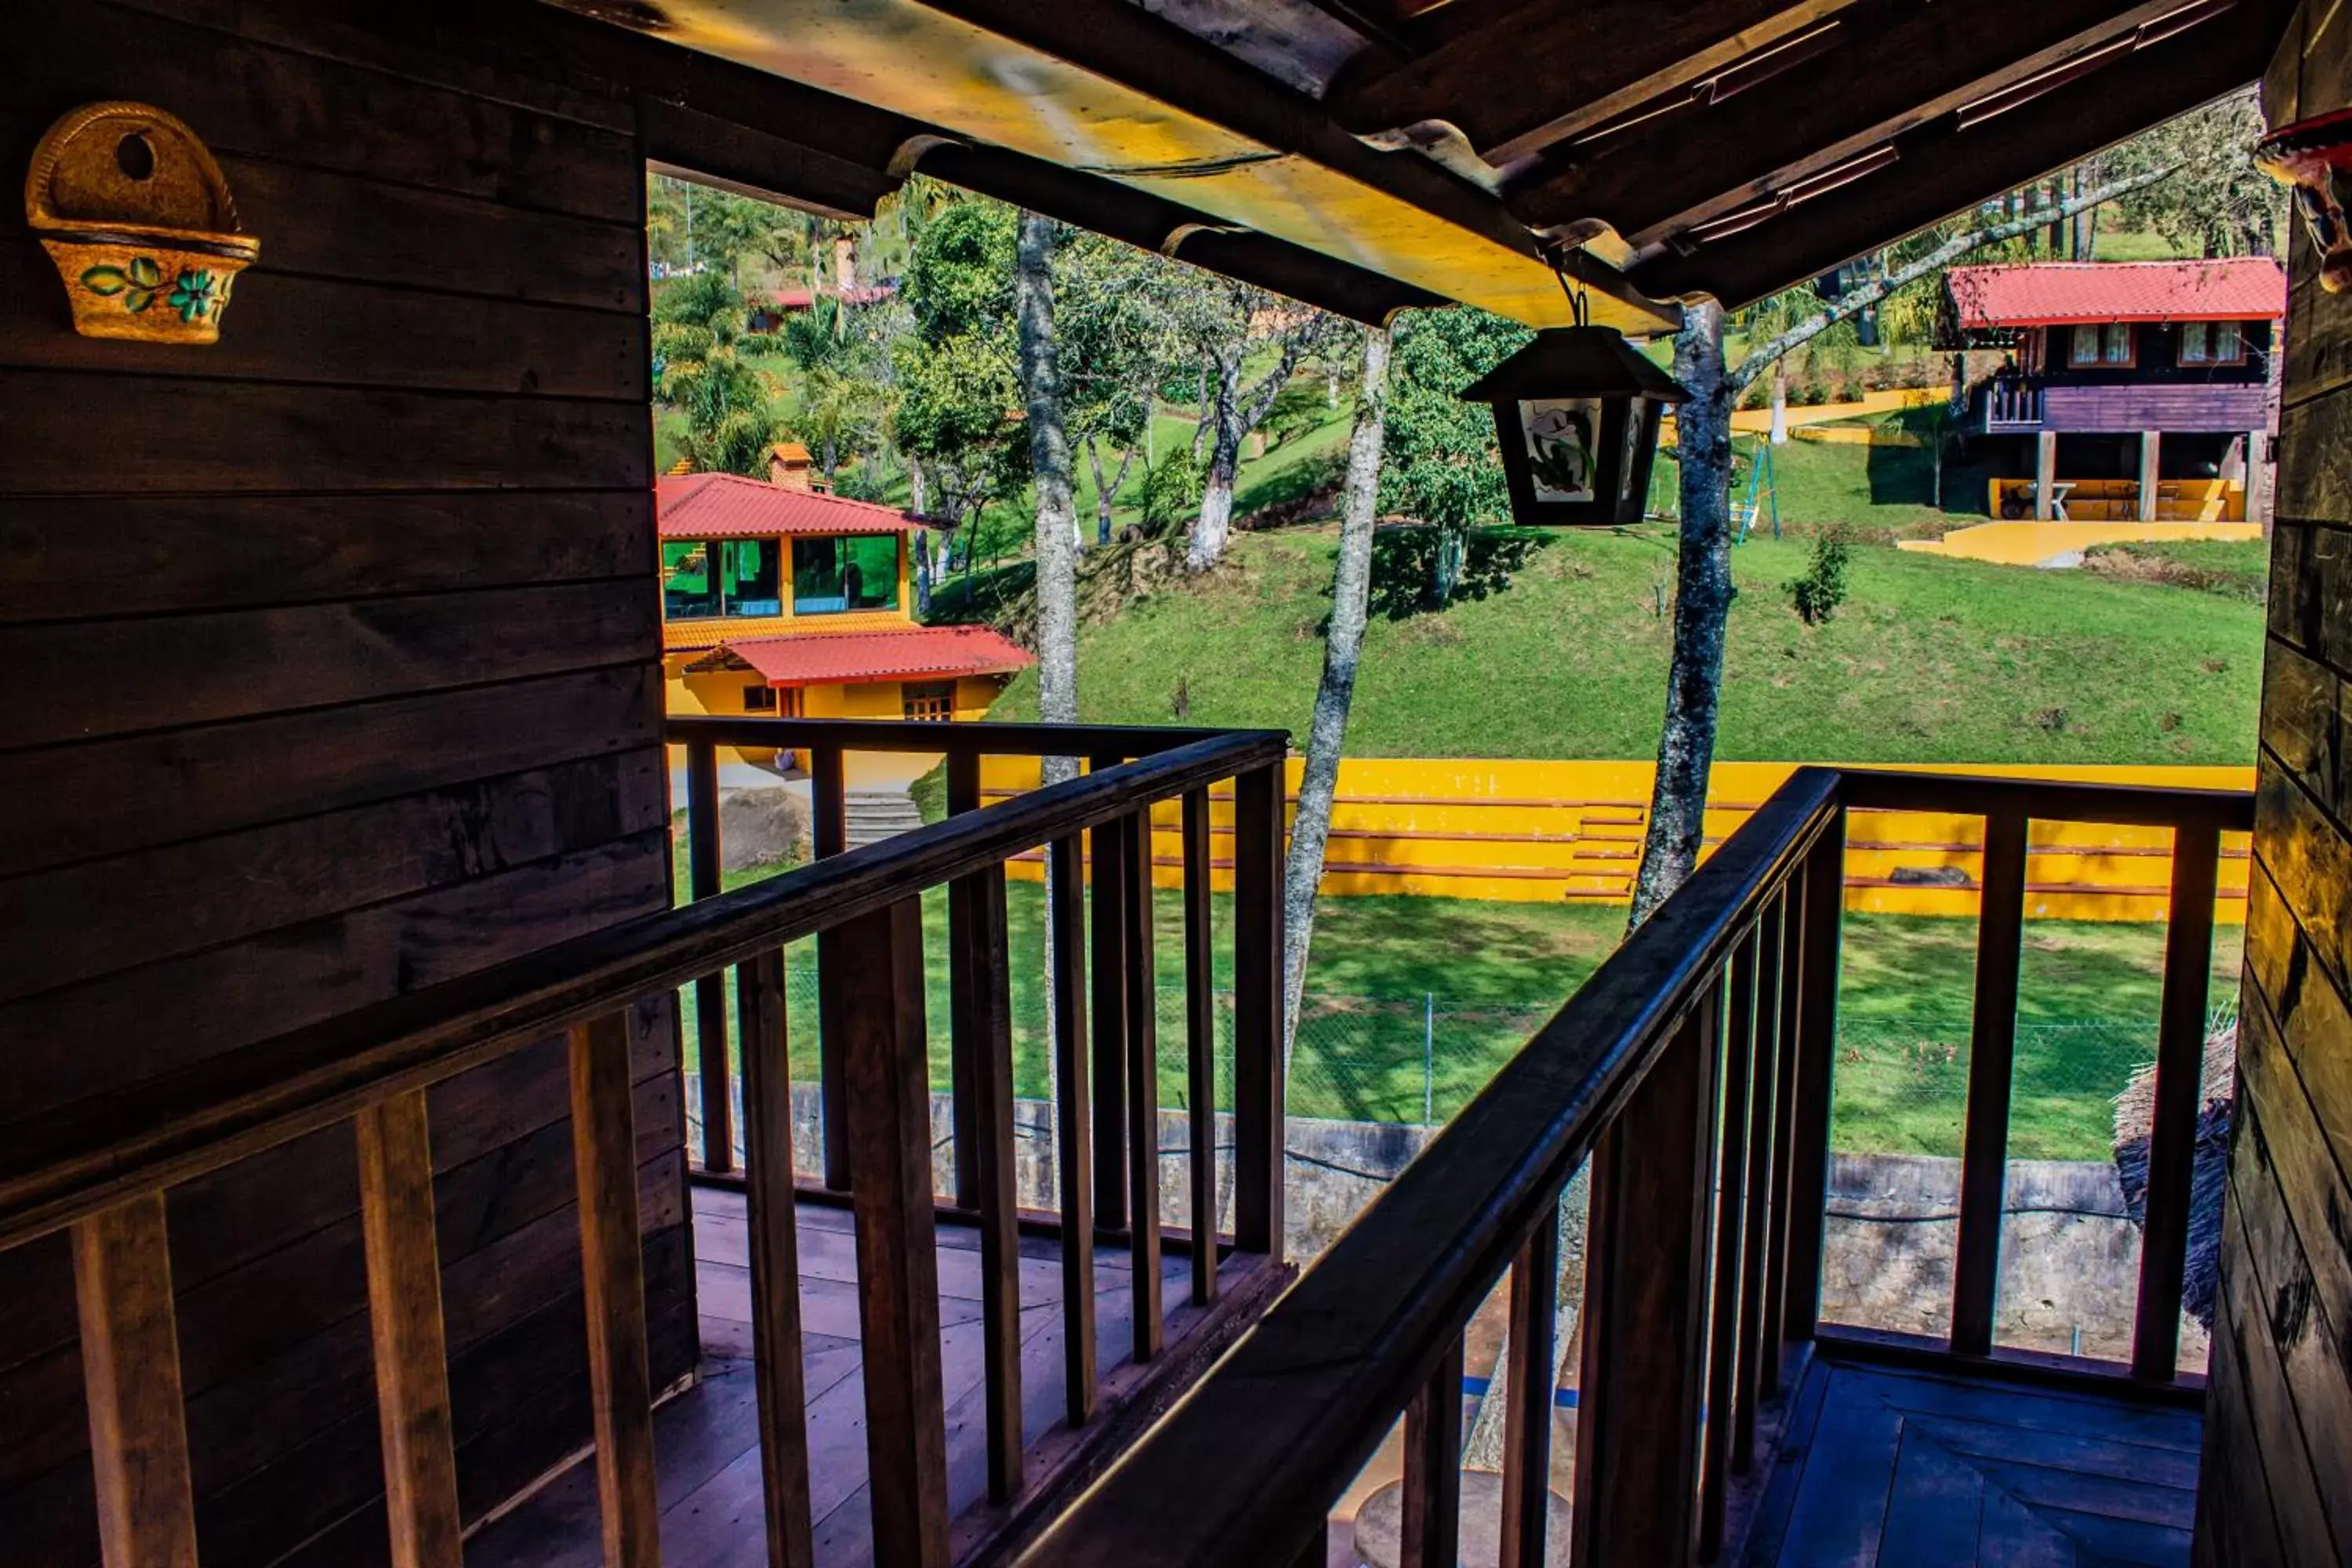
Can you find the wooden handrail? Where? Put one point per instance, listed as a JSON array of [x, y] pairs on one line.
[[1244, 1470], [71, 1166], [1707, 1208]]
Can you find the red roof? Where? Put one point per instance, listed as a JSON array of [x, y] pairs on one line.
[[822, 658], [2057, 293], [729, 506]]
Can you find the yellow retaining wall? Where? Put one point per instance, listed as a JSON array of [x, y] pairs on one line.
[[1547, 831], [1757, 421], [2030, 543]]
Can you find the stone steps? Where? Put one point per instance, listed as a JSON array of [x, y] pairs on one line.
[[875, 815]]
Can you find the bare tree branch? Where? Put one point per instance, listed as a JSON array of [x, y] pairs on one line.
[[1759, 359]]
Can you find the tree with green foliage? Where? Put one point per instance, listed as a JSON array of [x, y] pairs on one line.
[[1229, 328], [697, 332], [1439, 461], [957, 371], [844, 386]]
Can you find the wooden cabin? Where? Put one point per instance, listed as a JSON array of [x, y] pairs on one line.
[[366, 1194], [2139, 390]]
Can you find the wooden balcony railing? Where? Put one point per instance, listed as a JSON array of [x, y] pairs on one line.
[[2012, 403], [1694, 1070], [104, 1175]]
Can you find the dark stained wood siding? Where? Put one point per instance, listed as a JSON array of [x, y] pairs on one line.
[[2154, 406], [2277, 1478], [333, 672]]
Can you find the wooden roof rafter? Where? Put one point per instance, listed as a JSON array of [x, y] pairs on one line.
[[1878, 73], [1942, 168]]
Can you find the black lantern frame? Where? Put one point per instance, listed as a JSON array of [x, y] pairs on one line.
[[1577, 414]]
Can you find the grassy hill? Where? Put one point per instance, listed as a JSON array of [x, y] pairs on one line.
[[1930, 660]]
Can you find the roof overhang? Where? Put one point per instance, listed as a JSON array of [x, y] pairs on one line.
[[1366, 155]]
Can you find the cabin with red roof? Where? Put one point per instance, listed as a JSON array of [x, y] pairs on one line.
[[784, 601], [2139, 390]]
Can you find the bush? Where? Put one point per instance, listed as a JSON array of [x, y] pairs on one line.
[[1820, 592], [1171, 491]]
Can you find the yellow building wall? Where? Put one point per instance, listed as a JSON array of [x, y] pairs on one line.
[[2030, 543], [1547, 831]]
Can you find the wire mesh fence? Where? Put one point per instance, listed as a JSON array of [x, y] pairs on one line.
[[1900, 1084]]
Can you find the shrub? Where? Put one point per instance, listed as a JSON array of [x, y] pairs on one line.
[[1820, 592]]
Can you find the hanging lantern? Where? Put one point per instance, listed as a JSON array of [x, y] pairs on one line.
[[1577, 414], [2314, 156]]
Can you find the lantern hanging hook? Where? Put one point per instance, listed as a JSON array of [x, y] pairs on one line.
[[1579, 307]]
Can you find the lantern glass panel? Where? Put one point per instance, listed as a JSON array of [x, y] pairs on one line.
[[1563, 437]]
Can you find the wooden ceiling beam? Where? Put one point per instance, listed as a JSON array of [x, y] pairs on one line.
[[1889, 69], [1940, 170], [1542, 73], [1152, 222]]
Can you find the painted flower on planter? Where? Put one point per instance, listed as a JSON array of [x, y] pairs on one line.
[[194, 294]]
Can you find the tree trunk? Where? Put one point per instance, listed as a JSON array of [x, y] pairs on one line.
[[1202, 427], [1118, 483], [1445, 567], [1102, 502], [916, 491], [1702, 605], [1343, 645], [1049, 462], [1780, 402], [922, 572], [1214, 525]]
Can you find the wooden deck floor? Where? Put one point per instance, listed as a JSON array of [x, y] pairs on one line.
[[707, 1439], [1917, 1470]]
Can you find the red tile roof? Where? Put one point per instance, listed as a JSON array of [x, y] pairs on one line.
[[823, 657], [729, 506], [2057, 293]]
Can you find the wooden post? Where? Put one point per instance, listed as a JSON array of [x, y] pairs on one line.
[[1257, 1011], [1992, 1051], [2179, 1078], [988, 991], [2046, 472], [1432, 1525], [1201, 1046], [1815, 1048], [1073, 1154], [1724, 1388], [829, 836], [1763, 1211], [890, 1116], [1526, 1409], [1107, 858], [2258, 474], [709, 990], [964, 1021], [1142, 1066], [778, 1384], [412, 1371], [1637, 1447], [131, 1378], [2151, 446], [604, 1157]]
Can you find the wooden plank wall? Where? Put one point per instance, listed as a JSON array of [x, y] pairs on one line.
[[331, 670], [2277, 1478]]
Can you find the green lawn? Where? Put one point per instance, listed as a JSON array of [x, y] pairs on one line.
[[1931, 661], [1414, 1003]]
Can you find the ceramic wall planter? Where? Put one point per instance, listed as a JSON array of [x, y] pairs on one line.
[[2314, 156], [135, 213]]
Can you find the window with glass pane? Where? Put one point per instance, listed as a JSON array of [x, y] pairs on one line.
[[753, 568], [2119, 343], [690, 587], [2084, 349], [857, 572], [2228, 349], [2195, 345]]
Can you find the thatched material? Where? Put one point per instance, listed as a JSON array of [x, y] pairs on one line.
[[2135, 1116]]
